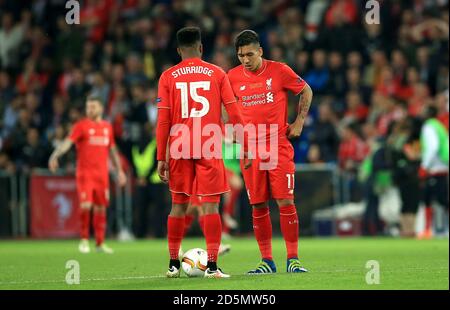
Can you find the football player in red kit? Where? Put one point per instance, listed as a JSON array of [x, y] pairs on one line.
[[261, 87], [190, 97], [94, 142]]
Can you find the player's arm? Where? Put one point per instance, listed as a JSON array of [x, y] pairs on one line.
[[59, 151], [295, 129], [291, 81], [163, 130], [121, 176], [233, 115]]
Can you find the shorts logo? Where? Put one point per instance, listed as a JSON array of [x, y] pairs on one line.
[[269, 97], [269, 84]]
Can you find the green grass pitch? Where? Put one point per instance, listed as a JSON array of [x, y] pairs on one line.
[[333, 264]]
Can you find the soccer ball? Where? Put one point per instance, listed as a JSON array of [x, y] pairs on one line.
[[194, 262]]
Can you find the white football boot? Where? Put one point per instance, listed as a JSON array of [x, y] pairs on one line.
[[83, 247]]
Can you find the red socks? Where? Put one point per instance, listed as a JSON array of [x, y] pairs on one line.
[[262, 226], [175, 232], [228, 208], [99, 226], [213, 234], [188, 219], [201, 221], [428, 217], [85, 217], [289, 229]]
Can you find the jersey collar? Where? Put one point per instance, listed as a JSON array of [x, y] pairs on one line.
[[258, 72]]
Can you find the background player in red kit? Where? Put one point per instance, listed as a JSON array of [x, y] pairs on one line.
[[191, 93], [94, 141], [261, 88]]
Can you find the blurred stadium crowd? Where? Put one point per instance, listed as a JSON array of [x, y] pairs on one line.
[[372, 83]]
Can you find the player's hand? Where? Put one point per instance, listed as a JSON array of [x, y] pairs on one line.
[[163, 171], [295, 129], [122, 178], [247, 160], [53, 164]]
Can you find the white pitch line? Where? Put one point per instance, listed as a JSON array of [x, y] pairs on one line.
[[83, 280], [444, 269]]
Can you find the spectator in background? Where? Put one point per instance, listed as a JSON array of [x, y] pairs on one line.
[[18, 137], [30, 80], [372, 74], [356, 110], [376, 177], [352, 149], [33, 153], [341, 32], [100, 88], [354, 83], [442, 106], [11, 115], [68, 42], [135, 73], [6, 89], [405, 152], [419, 100], [5, 163], [59, 114], [434, 166], [427, 67], [324, 134], [354, 60], [151, 203], [301, 64], [79, 88], [314, 155], [11, 36], [336, 83], [136, 115], [319, 75]]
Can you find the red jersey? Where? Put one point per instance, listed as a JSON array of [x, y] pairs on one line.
[[93, 141], [262, 95], [193, 91]]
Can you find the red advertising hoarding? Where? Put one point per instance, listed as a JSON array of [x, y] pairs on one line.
[[54, 207]]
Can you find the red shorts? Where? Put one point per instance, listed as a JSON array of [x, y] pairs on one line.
[[202, 177], [93, 190], [278, 181]]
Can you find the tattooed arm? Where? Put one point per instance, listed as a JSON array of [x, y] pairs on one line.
[[295, 129]]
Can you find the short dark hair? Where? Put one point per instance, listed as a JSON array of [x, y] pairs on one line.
[[95, 98], [188, 36], [246, 37]]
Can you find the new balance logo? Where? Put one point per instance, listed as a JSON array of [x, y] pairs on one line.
[[269, 97]]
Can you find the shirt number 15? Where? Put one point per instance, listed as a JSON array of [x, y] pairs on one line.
[[193, 87]]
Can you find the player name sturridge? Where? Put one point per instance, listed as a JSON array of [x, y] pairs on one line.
[[192, 70]]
